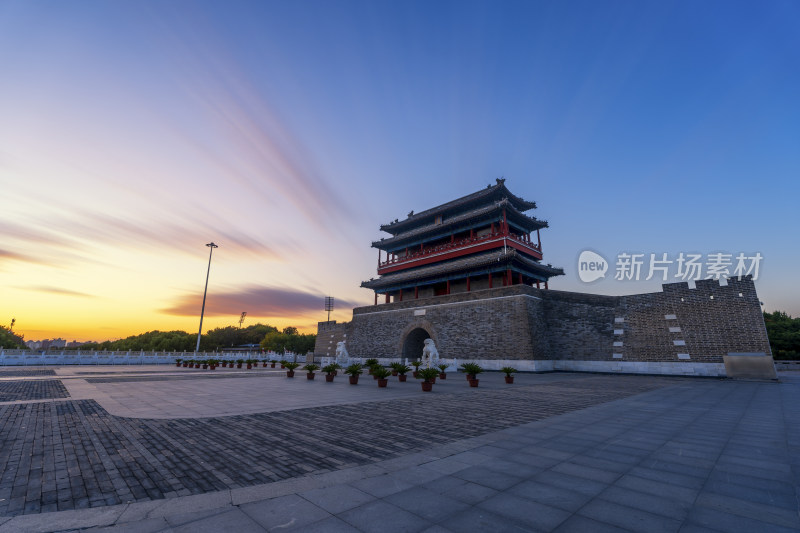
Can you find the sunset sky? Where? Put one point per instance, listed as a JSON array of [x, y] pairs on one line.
[[134, 132]]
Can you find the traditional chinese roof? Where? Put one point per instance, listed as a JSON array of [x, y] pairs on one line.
[[452, 224], [494, 261], [493, 193]]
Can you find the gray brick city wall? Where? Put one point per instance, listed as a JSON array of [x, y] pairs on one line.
[[487, 324], [328, 335], [519, 322]]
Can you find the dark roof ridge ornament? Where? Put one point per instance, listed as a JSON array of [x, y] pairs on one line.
[[501, 180]]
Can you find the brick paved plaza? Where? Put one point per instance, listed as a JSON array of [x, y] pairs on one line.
[[168, 449]]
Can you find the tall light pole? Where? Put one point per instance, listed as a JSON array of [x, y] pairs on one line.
[[203, 310]]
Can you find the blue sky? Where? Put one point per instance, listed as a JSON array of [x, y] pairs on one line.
[[134, 132]]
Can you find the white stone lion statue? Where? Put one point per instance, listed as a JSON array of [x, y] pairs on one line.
[[430, 355], [342, 357]]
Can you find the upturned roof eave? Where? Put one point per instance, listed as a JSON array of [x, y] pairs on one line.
[[499, 189], [521, 219], [504, 258]]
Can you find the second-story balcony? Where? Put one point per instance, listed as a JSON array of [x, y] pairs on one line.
[[458, 248]]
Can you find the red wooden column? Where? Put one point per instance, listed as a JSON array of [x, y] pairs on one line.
[[510, 277], [400, 298], [537, 284], [379, 258], [539, 240], [545, 285], [448, 287], [490, 280], [520, 278], [387, 297], [467, 283], [376, 298], [505, 222]]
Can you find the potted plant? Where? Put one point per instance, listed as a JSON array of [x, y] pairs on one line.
[[239, 363], [509, 370], [394, 366], [472, 370], [353, 371], [283, 363], [310, 369], [428, 375], [466, 368], [212, 364], [205, 364], [381, 374], [416, 365], [178, 362], [442, 370], [290, 367], [336, 368], [272, 363], [370, 363], [401, 371], [185, 363], [330, 372]]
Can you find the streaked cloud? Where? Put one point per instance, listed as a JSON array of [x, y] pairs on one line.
[[60, 291], [257, 301], [6, 255]]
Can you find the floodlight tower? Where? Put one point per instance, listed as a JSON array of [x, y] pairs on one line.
[[329, 306], [211, 245]]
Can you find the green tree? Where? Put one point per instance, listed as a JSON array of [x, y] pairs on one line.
[[275, 341], [9, 339], [288, 340], [784, 335]]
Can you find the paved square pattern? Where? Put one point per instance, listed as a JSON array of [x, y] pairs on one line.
[[565, 452]]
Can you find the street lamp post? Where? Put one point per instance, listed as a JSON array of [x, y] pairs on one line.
[[211, 245]]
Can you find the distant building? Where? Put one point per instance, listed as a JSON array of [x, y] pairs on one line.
[[47, 344]]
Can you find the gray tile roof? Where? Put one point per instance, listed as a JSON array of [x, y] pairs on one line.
[[491, 193], [512, 213]]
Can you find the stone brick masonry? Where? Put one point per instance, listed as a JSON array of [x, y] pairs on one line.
[[676, 331]]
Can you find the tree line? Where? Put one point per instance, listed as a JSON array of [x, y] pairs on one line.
[[267, 337]]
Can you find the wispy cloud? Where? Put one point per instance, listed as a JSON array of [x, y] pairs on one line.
[[60, 291], [6, 255], [58, 240], [255, 149], [257, 301]]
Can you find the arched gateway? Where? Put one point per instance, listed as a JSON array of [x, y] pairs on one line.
[[414, 342]]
